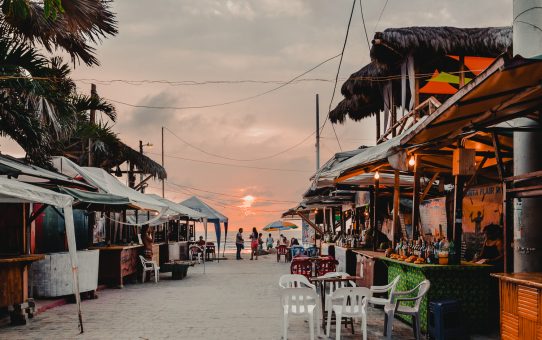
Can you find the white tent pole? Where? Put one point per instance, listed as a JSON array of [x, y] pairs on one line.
[[72, 248], [205, 246]]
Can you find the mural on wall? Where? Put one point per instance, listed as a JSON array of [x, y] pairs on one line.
[[308, 235], [482, 206], [433, 217]]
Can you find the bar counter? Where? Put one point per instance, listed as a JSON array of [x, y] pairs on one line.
[[521, 305], [14, 278], [469, 283], [118, 262]]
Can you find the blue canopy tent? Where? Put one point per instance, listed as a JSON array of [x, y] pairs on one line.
[[212, 215]]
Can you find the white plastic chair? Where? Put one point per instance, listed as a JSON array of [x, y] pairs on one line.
[[295, 281], [300, 281], [149, 266], [196, 253], [300, 301], [389, 288], [333, 286], [396, 307], [349, 302]]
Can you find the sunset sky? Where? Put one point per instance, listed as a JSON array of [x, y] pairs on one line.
[[260, 40]]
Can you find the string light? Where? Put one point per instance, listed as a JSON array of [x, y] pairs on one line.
[[412, 161], [377, 175]]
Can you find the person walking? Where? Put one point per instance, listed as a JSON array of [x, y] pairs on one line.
[[239, 243], [269, 241], [254, 244]]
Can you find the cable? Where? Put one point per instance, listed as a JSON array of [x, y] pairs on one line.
[[232, 101], [194, 82], [241, 159], [364, 26], [231, 165], [229, 195], [380, 16], [337, 76]]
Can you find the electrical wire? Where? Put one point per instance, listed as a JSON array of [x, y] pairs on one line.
[[337, 76], [195, 82], [241, 159], [364, 26], [231, 165], [230, 195], [231, 101], [380, 16]]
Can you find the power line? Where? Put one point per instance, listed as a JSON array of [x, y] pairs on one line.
[[231, 165], [364, 26], [230, 195], [228, 102], [195, 82], [380, 16], [241, 159], [337, 75]]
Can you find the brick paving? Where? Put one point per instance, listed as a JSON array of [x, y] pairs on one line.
[[232, 300]]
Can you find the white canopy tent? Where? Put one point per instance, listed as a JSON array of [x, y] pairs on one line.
[[13, 191], [107, 183]]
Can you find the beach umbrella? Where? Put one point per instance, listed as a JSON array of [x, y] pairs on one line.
[[279, 226]]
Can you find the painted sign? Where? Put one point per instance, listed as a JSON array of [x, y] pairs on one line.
[[433, 217], [482, 206], [308, 235]]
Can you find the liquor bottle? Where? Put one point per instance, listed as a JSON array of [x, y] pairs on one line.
[[423, 254]]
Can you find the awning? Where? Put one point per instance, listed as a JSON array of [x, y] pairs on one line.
[[12, 191], [96, 201], [28, 173], [507, 89], [179, 209]]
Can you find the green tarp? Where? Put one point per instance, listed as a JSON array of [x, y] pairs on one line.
[[94, 200]]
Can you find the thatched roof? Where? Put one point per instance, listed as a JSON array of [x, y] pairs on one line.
[[395, 44], [140, 161], [429, 45]]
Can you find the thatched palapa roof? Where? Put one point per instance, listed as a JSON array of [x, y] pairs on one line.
[[429, 47], [141, 162]]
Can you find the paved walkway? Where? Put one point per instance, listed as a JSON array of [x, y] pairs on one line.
[[233, 300]]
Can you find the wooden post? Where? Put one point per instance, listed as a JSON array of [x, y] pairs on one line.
[[416, 200], [458, 218], [93, 94], [461, 71], [396, 198], [375, 214], [377, 126], [505, 226]]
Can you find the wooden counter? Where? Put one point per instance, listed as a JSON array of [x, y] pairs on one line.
[[469, 283], [118, 262], [521, 305], [369, 267], [14, 278]]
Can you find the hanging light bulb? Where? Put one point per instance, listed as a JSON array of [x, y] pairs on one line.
[[412, 161], [377, 175]]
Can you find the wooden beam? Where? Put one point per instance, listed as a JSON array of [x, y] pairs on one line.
[[471, 179], [498, 156], [140, 184], [416, 199], [523, 177], [309, 222], [429, 185], [375, 213], [457, 230], [396, 198]]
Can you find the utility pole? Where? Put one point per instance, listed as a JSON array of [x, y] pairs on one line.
[[141, 172], [93, 94], [317, 132], [163, 184]]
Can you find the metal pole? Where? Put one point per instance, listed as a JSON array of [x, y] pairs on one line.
[[163, 184], [317, 132]]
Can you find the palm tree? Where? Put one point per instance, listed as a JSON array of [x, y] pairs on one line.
[[69, 25]]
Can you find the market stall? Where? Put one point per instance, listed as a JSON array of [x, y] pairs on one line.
[[468, 283], [14, 268]]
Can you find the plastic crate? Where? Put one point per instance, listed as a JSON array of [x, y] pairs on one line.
[[445, 320]]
